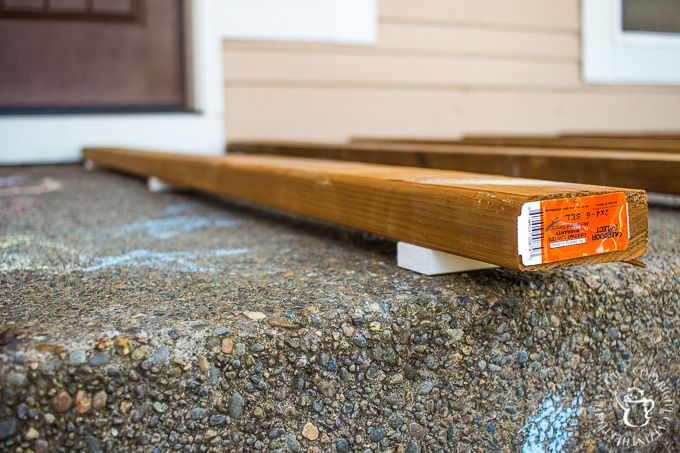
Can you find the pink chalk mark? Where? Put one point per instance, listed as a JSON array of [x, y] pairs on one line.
[[45, 185], [21, 204]]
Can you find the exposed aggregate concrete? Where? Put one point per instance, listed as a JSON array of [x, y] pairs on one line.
[[298, 336]]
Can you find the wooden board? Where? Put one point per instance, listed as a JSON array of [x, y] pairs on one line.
[[627, 135], [657, 172], [437, 209], [668, 145], [658, 144]]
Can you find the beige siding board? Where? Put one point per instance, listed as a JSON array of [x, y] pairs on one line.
[[562, 15], [435, 40], [395, 69], [505, 44], [336, 114], [581, 89], [441, 68]]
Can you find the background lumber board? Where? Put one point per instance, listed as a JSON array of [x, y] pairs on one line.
[[657, 172], [626, 135], [432, 208], [658, 144]]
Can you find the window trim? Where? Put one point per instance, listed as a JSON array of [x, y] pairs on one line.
[[612, 56], [329, 21]]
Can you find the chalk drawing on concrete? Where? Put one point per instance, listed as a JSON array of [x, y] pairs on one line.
[[33, 253], [550, 427], [169, 227], [45, 185], [15, 205], [180, 208], [14, 180], [175, 261], [30, 253]]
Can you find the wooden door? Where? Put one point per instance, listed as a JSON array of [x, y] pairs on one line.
[[91, 56]]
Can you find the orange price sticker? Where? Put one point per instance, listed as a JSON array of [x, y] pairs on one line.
[[565, 228]]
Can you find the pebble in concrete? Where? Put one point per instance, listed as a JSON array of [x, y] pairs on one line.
[[61, 402], [310, 432]]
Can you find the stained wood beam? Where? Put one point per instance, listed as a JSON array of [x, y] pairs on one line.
[[659, 144], [656, 172], [666, 145], [471, 215], [626, 135]]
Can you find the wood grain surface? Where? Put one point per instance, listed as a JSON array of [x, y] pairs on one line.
[[651, 171], [662, 144]]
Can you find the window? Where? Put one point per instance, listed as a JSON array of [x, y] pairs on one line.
[[651, 15], [631, 42]]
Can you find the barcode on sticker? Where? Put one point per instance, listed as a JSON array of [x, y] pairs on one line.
[[535, 233]]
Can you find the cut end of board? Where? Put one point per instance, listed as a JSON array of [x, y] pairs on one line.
[[433, 262]]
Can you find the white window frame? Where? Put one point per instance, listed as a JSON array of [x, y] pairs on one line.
[[42, 138], [614, 56], [330, 21]]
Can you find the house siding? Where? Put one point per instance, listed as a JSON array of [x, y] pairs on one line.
[[441, 68]]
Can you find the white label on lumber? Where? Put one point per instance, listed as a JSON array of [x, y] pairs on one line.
[[530, 233]]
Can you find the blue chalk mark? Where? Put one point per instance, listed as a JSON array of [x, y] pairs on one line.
[[179, 261], [170, 227], [12, 180], [180, 208], [547, 430]]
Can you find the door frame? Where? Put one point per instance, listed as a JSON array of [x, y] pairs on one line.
[[33, 139], [44, 138]]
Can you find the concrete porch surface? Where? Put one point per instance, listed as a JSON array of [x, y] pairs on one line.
[[178, 321]]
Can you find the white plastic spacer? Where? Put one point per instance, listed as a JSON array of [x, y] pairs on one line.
[[432, 262], [89, 165], [158, 185]]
